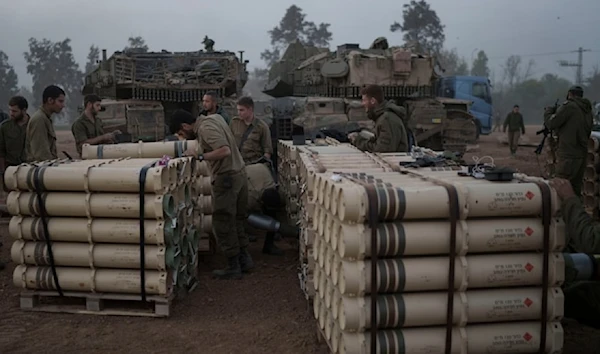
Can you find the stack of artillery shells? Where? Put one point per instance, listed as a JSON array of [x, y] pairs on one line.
[[200, 187], [93, 220], [498, 277], [289, 171], [319, 160], [591, 187]]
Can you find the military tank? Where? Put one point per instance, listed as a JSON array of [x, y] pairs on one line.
[[135, 85], [321, 89]]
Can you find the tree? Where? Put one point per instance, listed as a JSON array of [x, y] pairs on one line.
[[480, 65], [513, 72], [26, 93], [92, 59], [452, 64], [422, 27], [293, 26], [137, 44], [8, 80], [592, 85], [52, 63]]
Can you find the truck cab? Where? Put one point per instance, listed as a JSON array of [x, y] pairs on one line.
[[476, 89]]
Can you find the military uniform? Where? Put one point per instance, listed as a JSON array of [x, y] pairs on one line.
[[582, 298], [390, 133], [41, 137], [84, 128], [220, 111], [12, 142], [515, 124], [572, 123], [256, 136], [229, 190]]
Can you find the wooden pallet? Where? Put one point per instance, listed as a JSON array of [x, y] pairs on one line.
[[96, 304]]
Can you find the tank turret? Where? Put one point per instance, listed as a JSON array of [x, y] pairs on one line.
[[330, 84]]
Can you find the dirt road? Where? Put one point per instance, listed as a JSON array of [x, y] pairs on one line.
[[263, 313]]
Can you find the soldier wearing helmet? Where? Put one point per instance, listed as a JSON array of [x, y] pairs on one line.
[[572, 124]]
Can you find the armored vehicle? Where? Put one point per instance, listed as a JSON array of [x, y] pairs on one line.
[[325, 87], [137, 83]]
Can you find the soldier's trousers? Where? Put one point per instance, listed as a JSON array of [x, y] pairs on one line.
[[230, 203], [573, 170], [513, 140]]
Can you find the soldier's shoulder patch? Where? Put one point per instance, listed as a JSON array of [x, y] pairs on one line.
[[566, 102]]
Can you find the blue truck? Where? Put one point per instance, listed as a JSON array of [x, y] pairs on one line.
[[476, 89]]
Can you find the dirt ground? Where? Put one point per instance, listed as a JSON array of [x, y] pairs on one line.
[[265, 312]]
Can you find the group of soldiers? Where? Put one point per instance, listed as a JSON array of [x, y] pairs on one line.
[[233, 146], [571, 123]]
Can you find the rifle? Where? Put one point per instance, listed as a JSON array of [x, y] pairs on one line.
[[544, 131]]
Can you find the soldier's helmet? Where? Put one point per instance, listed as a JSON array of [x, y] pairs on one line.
[[576, 89]]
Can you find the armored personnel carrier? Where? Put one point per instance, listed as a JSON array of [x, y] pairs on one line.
[[324, 87], [135, 86]]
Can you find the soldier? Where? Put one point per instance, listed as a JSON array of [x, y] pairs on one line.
[[572, 123], [41, 138], [515, 124], [210, 106], [229, 186], [13, 133], [390, 133], [88, 128], [252, 135], [12, 137], [581, 298]]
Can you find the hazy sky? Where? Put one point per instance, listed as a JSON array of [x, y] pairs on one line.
[[500, 27]]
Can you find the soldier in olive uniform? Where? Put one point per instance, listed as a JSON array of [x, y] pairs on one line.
[[514, 123], [390, 133], [252, 135], [41, 138], [13, 134], [572, 122], [582, 298], [211, 106], [88, 128], [12, 137], [229, 186]]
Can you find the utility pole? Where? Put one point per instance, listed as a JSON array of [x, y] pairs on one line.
[[578, 65]]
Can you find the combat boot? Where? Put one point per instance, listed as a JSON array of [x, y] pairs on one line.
[[246, 262], [269, 246], [233, 270]]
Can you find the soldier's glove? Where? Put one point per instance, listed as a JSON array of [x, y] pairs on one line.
[[551, 109]]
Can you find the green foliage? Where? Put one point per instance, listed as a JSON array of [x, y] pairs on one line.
[[451, 63], [8, 80], [532, 95], [480, 65], [592, 86], [137, 44], [422, 27], [92, 59], [52, 63], [293, 26]]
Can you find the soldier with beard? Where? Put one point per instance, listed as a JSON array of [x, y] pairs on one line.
[[390, 133], [13, 133], [88, 128], [572, 122], [211, 106], [12, 137]]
